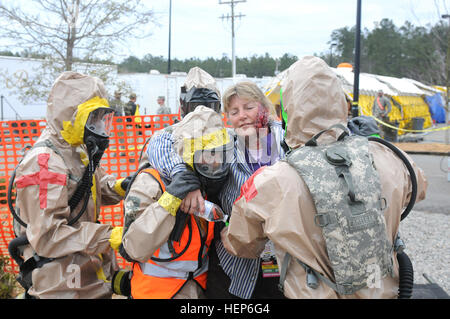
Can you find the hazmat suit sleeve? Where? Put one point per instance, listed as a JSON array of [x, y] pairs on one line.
[[245, 235], [111, 190], [147, 225], [42, 201], [422, 183], [396, 184]]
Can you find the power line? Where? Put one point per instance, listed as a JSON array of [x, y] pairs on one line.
[[232, 3]]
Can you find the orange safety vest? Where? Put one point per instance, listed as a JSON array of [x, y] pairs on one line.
[[164, 279]]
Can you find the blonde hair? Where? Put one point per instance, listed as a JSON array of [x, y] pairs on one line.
[[249, 91]]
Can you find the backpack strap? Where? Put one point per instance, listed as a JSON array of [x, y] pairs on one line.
[[284, 266], [312, 278], [313, 140], [379, 104]]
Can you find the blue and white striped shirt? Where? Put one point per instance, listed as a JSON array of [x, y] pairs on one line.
[[162, 155], [243, 272]]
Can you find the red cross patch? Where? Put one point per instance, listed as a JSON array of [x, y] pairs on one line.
[[248, 190], [42, 178]]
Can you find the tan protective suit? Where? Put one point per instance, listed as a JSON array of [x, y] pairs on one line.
[[277, 205], [147, 224], [200, 79], [84, 260]]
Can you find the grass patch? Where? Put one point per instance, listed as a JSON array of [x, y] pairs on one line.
[[8, 284]]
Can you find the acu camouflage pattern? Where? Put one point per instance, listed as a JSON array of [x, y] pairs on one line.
[[353, 226], [132, 209]]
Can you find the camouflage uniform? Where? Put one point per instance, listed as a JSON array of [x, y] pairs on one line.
[[351, 218]]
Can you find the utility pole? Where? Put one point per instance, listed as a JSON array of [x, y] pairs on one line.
[[357, 59], [447, 76], [233, 16], [331, 53], [170, 36]]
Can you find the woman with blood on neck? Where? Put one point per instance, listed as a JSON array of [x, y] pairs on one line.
[[258, 137]]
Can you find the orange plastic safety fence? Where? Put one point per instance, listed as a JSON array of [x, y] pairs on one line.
[[127, 139], [120, 159], [15, 136]]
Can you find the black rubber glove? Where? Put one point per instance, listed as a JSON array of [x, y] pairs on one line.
[[126, 182], [183, 183], [121, 282], [125, 255]]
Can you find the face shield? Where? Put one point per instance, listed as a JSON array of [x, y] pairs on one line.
[[199, 96], [212, 166], [100, 121]]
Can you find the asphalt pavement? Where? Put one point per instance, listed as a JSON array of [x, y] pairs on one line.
[[426, 229], [436, 168]]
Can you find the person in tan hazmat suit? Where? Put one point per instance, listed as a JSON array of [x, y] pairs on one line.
[[285, 202], [199, 88], [75, 255], [166, 267]]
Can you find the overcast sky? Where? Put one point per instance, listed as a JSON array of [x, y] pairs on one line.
[[298, 27]]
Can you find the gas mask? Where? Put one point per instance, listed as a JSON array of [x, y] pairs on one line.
[[212, 167], [198, 96], [96, 132]]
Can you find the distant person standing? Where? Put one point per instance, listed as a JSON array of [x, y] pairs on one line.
[[381, 106], [131, 108], [381, 109], [117, 104], [163, 109]]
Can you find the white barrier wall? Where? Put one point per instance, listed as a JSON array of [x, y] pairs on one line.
[[15, 75], [14, 72]]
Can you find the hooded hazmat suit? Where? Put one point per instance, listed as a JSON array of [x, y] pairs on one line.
[[151, 214], [276, 204], [200, 79], [199, 89], [46, 179], [160, 152]]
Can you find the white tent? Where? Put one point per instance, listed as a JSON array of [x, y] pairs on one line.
[[368, 84], [403, 86]]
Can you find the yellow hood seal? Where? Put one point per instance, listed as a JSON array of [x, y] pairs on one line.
[[207, 141], [74, 133]]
